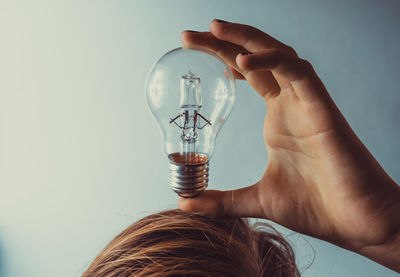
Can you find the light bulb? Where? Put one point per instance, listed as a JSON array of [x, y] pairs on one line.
[[191, 93]]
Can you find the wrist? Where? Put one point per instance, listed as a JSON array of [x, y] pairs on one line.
[[386, 254], [383, 246]]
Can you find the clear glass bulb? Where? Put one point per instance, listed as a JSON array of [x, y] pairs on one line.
[[191, 93]]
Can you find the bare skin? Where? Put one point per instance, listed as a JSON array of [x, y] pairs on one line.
[[320, 180]]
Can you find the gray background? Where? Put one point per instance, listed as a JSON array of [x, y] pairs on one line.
[[80, 154]]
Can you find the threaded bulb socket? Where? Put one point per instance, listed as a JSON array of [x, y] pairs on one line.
[[188, 173]]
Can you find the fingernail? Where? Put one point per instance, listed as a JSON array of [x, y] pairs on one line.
[[191, 31], [221, 21], [246, 53]]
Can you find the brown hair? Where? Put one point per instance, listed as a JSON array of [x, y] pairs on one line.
[[178, 243]]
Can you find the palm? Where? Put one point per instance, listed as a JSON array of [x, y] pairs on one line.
[[288, 183], [301, 189]]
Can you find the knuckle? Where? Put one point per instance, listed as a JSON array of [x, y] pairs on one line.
[[277, 55], [218, 29], [290, 50], [305, 64], [251, 29], [278, 52], [305, 67]]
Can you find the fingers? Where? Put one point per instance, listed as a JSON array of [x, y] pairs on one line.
[[271, 55], [288, 69], [225, 50], [226, 40], [228, 52], [246, 36], [277, 61], [225, 204]]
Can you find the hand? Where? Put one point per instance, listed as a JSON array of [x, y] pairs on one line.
[[321, 180]]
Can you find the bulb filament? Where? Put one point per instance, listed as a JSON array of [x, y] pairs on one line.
[[190, 116]]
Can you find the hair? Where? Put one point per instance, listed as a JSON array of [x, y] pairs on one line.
[[177, 243]]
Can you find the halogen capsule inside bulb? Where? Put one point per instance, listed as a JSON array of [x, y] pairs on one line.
[[190, 93]]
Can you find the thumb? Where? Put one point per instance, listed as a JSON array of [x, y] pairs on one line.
[[225, 204]]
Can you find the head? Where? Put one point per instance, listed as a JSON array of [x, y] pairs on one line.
[[178, 243]]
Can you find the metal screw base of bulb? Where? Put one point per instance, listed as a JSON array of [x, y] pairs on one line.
[[188, 177]]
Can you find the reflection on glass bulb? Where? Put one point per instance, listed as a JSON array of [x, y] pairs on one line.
[[191, 93]]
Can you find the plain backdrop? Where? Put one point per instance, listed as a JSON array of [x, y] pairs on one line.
[[80, 153]]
